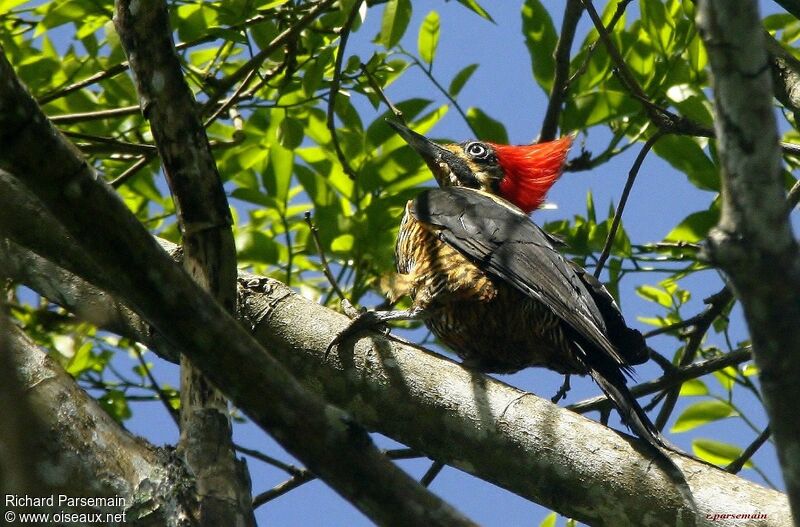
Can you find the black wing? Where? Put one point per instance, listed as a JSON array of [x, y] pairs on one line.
[[629, 341], [506, 244]]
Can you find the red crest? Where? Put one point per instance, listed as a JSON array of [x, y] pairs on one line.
[[530, 171]]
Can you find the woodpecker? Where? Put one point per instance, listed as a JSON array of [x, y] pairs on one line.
[[493, 286]]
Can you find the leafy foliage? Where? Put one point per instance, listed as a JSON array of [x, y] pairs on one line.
[[307, 132]]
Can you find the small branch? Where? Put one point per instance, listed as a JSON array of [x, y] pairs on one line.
[[794, 195], [612, 232], [282, 488], [223, 85], [231, 100], [334, 90], [622, 5], [277, 463], [572, 14], [162, 395], [736, 465], [111, 144], [302, 476], [132, 170], [443, 91], [431, 473], [373, 82], [322, 258], [669, 380], [71, 118], [716, 304], [698, 320]]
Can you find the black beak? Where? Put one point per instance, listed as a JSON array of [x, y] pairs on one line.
[[448, 168], [427, 149]]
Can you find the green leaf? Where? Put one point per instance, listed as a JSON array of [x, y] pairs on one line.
[[142, 369], [461, 79], [549, 520], [316, 70], [475, 7], [278, 175], [726, 377], [654, 294], [693, 387], [343, 244], [255, 246], [428, 37], [541, 38], [487, 128], [8, 5], [749, 369], [701, 413], [290, 133], [717, 452], [596, 107], [115, 404], [81, 360], [694, 227], [685, 154], [395, 21]]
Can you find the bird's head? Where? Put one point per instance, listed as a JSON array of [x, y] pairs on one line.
[[519, 174]]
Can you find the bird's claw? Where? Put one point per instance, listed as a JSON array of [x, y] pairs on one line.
[[362, 321]]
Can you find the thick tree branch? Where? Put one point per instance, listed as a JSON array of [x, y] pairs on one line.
[[484, 427], [754, 242], [152, 481], [206, 442], [323, 437]]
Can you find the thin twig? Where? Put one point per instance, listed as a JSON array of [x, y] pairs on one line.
[[277, 463], [133, 169], [282, 488], [700, 318], [737, 464], [373, 82], [334, 90], [680, 375], [431, 474], [661, 117], [794, 196], [71, 118], [622, 5], [323, 260], [121, 67], [443, 91], [225, 84], [572, 14], [612, 232], [304, 476], [162, 396], [109, 144], [231, 100], [716, 304]]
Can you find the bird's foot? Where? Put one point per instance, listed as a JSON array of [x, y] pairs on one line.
[[362, 320], [562, 391]]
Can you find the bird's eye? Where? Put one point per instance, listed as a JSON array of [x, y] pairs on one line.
[[477, 150]]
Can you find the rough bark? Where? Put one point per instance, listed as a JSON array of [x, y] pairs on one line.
[[206, 441], [753, 242], [484, 427], [785, 75], [75, 448], [326, 439]]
